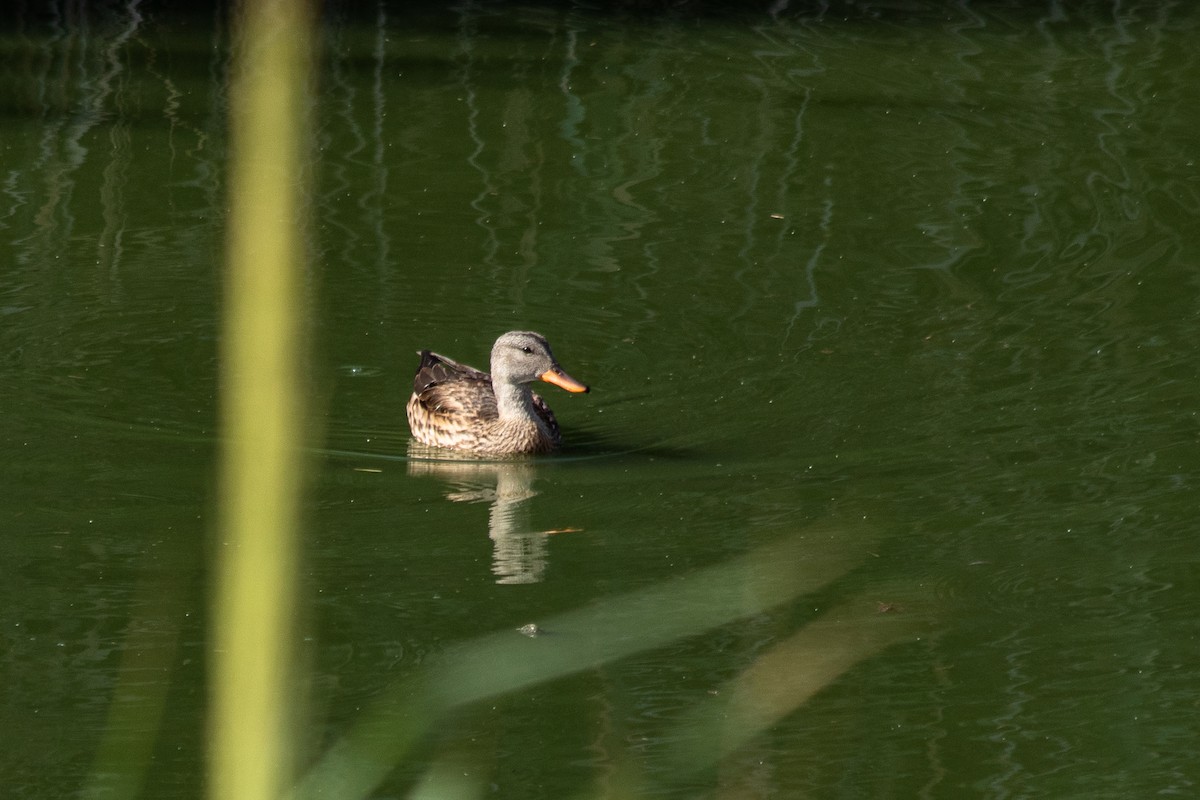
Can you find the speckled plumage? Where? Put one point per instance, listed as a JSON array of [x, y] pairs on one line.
[[462, 408]]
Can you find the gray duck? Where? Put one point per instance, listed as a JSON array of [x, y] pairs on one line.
[[462, 408]]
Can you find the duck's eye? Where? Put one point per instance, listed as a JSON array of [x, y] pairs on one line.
[[527, 350]]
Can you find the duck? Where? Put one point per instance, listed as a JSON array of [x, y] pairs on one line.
[[458, 407]]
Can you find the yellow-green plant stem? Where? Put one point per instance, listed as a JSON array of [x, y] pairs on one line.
[[261, 406]]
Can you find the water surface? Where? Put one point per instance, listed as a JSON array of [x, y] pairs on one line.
[[914, 286]]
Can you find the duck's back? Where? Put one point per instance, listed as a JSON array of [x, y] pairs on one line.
[[444, 386]]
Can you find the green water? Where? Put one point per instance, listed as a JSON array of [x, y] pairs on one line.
[[915, 284]]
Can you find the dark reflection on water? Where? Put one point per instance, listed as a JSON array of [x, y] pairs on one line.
[[935, 263], [507, 487]]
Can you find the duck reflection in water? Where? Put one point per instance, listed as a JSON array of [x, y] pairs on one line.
[[519, 555]]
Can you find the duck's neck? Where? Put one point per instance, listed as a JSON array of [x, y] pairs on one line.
[[514, 401]]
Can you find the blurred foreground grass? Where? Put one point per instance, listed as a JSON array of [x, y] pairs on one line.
[[262, 412], [774, 685]]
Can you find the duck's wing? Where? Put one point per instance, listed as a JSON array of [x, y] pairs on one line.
[[443, 386], [547, 416]]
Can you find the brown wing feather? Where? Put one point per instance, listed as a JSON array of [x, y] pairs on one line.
[[444, 386], [547, 416], [435, 368]]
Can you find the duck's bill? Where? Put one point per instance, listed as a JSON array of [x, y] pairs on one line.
[[562, 380]]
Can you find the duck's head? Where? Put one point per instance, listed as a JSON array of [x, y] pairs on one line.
[[521, 357]]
